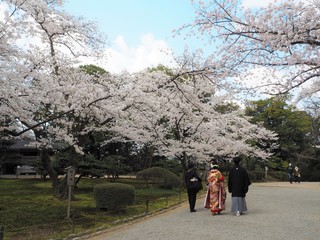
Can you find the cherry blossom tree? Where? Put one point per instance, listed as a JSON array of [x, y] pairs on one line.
[[43, 92], [279, 43], [177, 113]]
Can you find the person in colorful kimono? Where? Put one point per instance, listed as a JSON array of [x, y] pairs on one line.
[[216, 194], [238, 186]]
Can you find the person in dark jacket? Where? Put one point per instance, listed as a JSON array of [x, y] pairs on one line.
[[238, 186], [191, 175], [290, 172]]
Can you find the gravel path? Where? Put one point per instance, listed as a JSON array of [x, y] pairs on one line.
[[276, 211]]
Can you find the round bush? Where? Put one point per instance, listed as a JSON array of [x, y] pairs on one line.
[[161, 176], [113, 196]]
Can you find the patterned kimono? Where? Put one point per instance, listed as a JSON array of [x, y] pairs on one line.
[[216, 194]]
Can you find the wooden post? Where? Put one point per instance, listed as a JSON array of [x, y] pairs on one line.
[[266, 172], [2, 233], [69, 202], [71, 172]]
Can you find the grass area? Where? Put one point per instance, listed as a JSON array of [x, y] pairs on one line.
[[29, 210]]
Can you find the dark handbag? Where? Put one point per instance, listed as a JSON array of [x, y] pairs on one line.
[[195, 184]]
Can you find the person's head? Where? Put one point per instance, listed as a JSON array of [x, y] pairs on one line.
[[236, 160], [214, 166], [190, 165]]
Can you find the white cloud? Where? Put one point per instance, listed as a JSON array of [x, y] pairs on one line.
[[262, 83], [150, 53], [262, 79]]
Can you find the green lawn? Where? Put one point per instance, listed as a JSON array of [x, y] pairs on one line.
[[28, 209]]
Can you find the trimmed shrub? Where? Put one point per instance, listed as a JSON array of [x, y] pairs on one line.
[[161, 176], [256, 175], [252, 176], [260, 175], [280, 175], [113, 196]]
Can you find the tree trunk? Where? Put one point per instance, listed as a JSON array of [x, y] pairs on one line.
[[60, 187], [183, 160], [78, 180]]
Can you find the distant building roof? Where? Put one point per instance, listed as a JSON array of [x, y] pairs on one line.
[[25, 144]]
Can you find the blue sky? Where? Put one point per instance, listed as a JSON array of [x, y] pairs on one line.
[[138, 30], [135, 18]]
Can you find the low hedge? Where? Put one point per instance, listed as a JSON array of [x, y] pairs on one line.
[[113, 196]]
